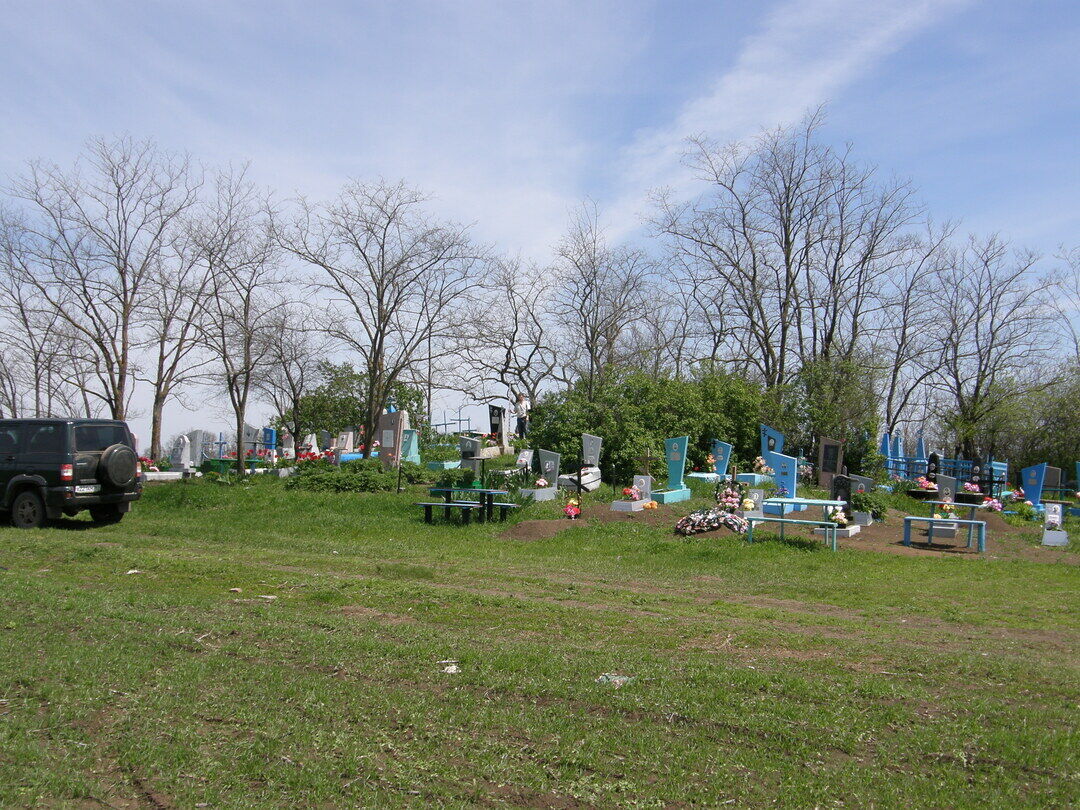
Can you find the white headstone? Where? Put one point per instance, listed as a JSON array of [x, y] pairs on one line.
[[180, 458], [1053, 533], [591, 449], [288, 445], [312, 443], [644, 483], [524, 459]]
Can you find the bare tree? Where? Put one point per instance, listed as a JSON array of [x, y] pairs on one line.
[[176, 300], [794, 238], [237, 249], [506, 342], [292, 366], [995, 342], [602, 293], [906, 336], [95, 236], [397, 280]]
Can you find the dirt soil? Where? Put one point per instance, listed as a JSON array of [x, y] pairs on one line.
[[1003, 540]]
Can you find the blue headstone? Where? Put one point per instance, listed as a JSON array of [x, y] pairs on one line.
[[410, 446], [269, 439], [772, 441], [675, 452], [1031, 481], [786, 472], [722, 455]]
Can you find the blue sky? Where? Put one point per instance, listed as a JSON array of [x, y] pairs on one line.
[[511, 112]]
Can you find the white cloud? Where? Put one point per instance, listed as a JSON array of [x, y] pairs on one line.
[[804, 53]]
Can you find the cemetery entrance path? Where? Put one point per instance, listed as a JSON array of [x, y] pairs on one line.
[[253, 646]]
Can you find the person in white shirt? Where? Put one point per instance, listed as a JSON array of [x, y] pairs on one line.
[[521, 411]]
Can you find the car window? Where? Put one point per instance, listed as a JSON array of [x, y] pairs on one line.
[[9, 439], [95, 438], [45, 439]]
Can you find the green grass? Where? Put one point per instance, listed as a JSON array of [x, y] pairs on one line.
[[778, 672]]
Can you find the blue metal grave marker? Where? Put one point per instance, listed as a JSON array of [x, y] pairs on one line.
[[675, 454], [772, 441], [1031, 481], [786, 473], [722, 456]]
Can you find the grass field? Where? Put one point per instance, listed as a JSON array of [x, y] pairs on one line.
[[774, 673]]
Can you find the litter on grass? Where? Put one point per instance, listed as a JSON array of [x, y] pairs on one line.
[[450, 666], [615, 679]]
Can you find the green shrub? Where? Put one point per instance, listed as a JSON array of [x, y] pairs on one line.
[[357, 479], [461, 477], [637, 412], [441, 452], [873, 502]]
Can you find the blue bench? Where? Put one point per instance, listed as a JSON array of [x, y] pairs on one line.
[[931, 522], [829, 525]]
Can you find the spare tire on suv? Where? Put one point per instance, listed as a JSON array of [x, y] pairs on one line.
[[117, 466]]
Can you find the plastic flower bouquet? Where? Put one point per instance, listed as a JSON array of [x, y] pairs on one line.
[[925, 483], [632, 493], [993, 505], [970, 487], [541, 483], [837, 516], [761, 468], [572, 509]]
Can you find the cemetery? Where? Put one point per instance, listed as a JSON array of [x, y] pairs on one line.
[[560, 412]]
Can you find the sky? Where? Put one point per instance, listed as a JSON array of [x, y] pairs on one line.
[[511, 113]]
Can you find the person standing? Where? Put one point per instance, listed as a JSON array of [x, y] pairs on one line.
[[521, 411]]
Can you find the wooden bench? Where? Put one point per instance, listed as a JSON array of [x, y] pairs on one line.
[[931, 522], [466, 508], [829, 525]]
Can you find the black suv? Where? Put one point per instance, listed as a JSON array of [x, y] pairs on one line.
[[54, 467]]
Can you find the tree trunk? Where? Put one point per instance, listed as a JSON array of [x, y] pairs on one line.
[[155, 425], [241, 467]]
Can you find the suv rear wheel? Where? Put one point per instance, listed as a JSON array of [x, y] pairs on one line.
[[104, 515], [27, 511]]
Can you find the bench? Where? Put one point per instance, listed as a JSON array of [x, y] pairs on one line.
[[829, 525], [504, 508], [933, 521], [466, 508]]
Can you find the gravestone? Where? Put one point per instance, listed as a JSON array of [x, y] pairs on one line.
[[524, 459], [288, 445], [180, 457], [252, 436], [841, 489], [549, 466], [862, 483], [772, 441], [324, 439], [1031, 481], [1053, 533], [345, 441], [946, 487], [590, 449], [786, 474], [1052, 481], [933, 467], [644, 484], [311, 444], [830, 461], [675, 454], [549, 471], [389, 432], [202, 444], [410, 446], [221, 444], [721, 456]]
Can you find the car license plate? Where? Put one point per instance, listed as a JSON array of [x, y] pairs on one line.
[[87, 489]]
